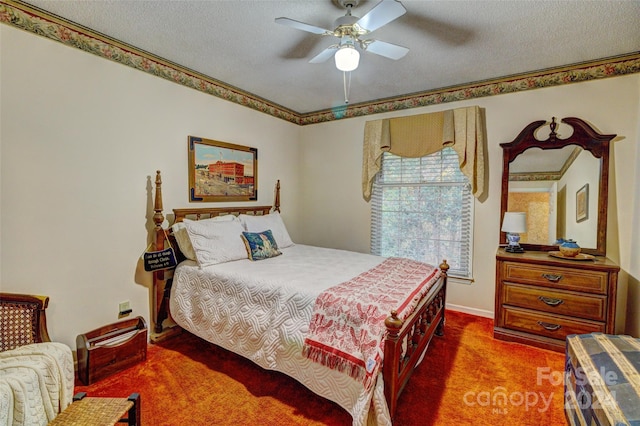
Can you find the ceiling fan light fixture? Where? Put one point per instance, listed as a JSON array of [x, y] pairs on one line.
[[347, 58]]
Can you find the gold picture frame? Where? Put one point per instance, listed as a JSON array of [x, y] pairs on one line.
[[221, 171], [582, 203]]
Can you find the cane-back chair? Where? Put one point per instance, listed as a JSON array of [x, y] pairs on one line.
[[22, 320]]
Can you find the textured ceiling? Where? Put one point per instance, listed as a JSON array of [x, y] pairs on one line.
[[451, 42]]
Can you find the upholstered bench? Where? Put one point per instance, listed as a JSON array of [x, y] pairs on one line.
[[602, 380], [100, 411]]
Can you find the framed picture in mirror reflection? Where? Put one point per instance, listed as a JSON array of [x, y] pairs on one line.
[[582, 203]]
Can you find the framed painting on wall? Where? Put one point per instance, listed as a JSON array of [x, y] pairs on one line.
[[582, 203], [221, 171]]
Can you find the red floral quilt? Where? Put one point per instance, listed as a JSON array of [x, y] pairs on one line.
[[347, 328]]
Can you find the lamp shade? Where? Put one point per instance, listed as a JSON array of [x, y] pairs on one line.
[[347, 58], [514, 222]]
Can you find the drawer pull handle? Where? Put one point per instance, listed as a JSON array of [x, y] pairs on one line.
[[549, 326], [552, 278], [549, 301]]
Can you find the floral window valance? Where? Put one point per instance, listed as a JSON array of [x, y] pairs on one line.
[[462, 129]]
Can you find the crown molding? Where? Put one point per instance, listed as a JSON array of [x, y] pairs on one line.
[[29, 18]]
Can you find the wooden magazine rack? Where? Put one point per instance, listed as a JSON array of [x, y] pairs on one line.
[[112, 348]]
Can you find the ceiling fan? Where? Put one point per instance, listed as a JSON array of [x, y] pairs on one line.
[[350, 29]]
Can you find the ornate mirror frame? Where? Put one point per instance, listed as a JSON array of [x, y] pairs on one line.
[[584, 136]]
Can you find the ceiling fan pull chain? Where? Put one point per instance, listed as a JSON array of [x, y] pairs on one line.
[[347, 85]]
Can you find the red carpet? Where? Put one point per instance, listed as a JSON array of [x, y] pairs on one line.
[[467, 377]]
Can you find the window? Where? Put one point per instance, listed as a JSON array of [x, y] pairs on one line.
[[422, 209]]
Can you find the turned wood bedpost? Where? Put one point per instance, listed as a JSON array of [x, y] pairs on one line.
[[444, 267], [397, 366], [158, 217], [158, 276], [391, 361], [276, 202]]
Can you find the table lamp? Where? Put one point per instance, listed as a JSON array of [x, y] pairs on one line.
[[514, 224]]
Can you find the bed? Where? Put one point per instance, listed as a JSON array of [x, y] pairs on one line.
[[277, 310]]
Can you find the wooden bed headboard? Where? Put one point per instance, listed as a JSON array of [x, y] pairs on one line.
[[162, 279]]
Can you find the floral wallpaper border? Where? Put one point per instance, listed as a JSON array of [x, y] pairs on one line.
[[28, 18], [533, 177]]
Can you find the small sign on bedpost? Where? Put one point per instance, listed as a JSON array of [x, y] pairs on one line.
[[157, 260], [160, 259]]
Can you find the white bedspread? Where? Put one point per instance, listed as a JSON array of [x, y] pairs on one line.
[[36, 383], [262, 310]]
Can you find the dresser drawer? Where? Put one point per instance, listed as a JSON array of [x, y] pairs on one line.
[[587, 306], [556, 277], [542, 324]]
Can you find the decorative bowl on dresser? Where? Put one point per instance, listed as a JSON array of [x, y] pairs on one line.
[[543, 295], [541, 299]]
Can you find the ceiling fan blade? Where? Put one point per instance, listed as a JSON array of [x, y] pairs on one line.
[[382, 13], [388, 50], [324, 55], [302, 26]]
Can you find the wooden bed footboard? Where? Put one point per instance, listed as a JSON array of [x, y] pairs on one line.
[[407, 340]]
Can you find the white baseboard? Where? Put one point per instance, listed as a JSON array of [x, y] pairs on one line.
[[471, 311]]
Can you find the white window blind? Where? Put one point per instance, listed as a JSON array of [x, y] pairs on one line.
[[422, 209]]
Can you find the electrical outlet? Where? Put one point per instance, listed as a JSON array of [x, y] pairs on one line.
[[124, 308]]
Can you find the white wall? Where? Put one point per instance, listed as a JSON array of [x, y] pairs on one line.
[[337, 216], [81, 140], [633, 315]]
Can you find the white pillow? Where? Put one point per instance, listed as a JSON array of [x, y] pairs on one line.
[[182, 237], [271, 221], [179, 231], [216, 242]]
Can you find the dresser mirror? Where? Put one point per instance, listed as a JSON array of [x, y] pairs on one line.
[[561, 183]]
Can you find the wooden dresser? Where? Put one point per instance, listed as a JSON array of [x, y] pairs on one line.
[[541, 299]]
